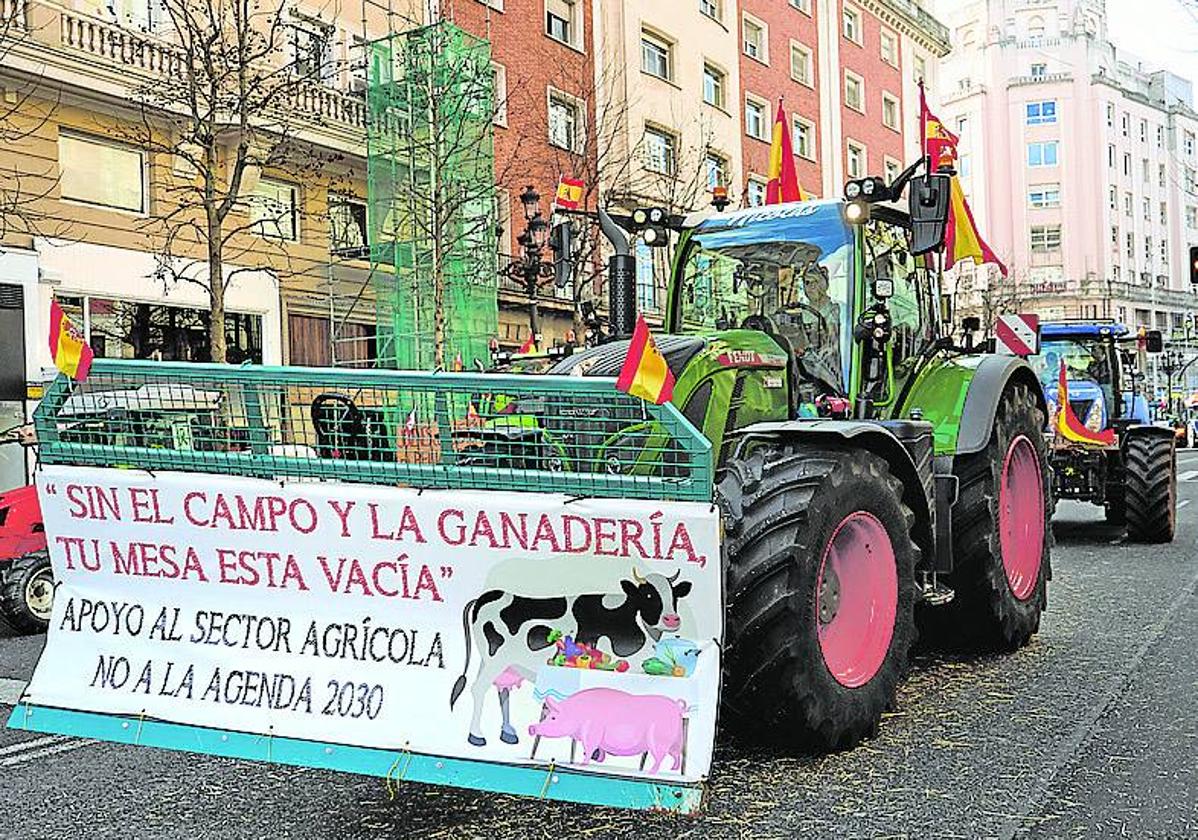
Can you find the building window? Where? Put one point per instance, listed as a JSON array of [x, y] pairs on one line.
[[273, 210], [716, 166], [499, 87], [855, 160], [1039, 71], [755, 192], [803, 6], [965, 165], [892, 169], [890, 111], [1160, 137], [755, 39], [1127, 164], [1147, 205], [1127, 202], [755, 119], [1192, 218], [561, 21], [711, 8], [1110, 155], [804, 137], [1042, 154], [1148, 249], [347, 227], [1131, 246], [854, 91], [312, 52], [660, 154], [852, 24], [1164, 213], [1115, 237], [1046, 238], [801, 64], [656, 57], [125, 329], [890, 50], [1114, 198], [564, 122], [646, 284], [1042, 113], [1125, 123], [713, 86], [1164, 253], [1143, 131], [1188, 144], [104, 174], [1110, 115], [920, 68], [1145, 171], [1045, 195]]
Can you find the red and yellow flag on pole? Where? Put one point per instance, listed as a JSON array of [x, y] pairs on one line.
[[71, 354], [962, 241], [645, 373], [569, 193], [784, 177], [1068, 426]]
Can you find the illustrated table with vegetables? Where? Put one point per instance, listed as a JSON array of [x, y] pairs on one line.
[[613, 708]]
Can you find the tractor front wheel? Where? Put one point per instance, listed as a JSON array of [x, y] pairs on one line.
[[821, 587], [27, 594], [1151, 494], [1002, 531]]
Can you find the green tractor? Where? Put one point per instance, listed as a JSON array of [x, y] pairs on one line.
[[871, 472]]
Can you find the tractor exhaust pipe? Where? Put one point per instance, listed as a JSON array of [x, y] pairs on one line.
[[621, 279]]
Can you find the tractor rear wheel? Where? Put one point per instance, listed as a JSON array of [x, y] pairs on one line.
[[1002, 532], [27, 593], [821, 587], [1151, 494]]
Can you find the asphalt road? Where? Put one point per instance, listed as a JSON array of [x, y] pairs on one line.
[[1092, 731]]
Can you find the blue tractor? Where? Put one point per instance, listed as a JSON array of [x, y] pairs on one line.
[[1134, 476]]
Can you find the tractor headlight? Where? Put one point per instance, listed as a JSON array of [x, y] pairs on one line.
[[1094, 416]]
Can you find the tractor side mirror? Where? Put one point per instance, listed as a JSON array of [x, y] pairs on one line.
[[561, 240], [1154, 342], [946, 309], [928, 201]]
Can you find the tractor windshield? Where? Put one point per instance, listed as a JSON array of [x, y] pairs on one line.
[[785, 270], [1088, 369]]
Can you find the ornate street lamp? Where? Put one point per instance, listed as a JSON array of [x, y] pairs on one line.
[[530, 268]]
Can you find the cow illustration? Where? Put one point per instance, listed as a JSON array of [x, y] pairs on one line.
[[511, 633]]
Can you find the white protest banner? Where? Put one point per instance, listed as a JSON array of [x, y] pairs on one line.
[[506, 627]]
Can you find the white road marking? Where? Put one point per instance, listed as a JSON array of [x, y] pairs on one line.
[[11, 691], [31, 744], [34, 755], [1188, 475]]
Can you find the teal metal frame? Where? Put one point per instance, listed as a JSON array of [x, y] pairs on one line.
[[393, 765]]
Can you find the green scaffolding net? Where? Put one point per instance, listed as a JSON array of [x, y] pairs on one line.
[[431, 196]]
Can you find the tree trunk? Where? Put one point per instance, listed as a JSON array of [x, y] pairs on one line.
[[217, 347]]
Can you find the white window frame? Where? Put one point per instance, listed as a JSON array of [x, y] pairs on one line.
[[889, 36], [1047, 241], [797, 122], [764, 105], [1045, 196], [672, 162], [721, 85], [500, 94], [763, 27], [849, 75], [666, 46], [1040, 118], [723, 165], [575, 33], [807, 56], [259, 225], [803, 6], [889, 98], [551, 94], [851, 18], [143, 192], [1044, 145], [891, 168], [753, 183], [850, 147], [717, 5], [345, 200]]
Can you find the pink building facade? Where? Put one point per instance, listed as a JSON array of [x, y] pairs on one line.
[[1079, 163]]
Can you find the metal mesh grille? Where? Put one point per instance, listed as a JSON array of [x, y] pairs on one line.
[[571, 435]]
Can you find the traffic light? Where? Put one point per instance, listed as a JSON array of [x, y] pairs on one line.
[[652, 223], [1194, 265]]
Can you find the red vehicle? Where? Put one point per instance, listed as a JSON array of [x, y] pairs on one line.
[[26, 579]]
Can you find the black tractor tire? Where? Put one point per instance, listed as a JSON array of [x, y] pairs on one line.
[[782, 506], [985, 614], [27, 592], [1151, 475]]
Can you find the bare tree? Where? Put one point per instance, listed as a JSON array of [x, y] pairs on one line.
[[227, 108]]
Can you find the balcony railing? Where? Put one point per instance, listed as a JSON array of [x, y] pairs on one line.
[[103, 43]]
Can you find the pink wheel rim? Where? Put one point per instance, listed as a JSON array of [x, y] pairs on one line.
[[1021, 517], [856, 599]]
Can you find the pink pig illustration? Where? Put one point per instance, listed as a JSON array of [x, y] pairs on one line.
[[610, 722]]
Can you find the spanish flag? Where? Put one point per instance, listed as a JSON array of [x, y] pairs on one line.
[[529, 345], [939, 143], [569, 193], [962, 240], [784, 178], [1069, 427], [69, 351], [645, 373]]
